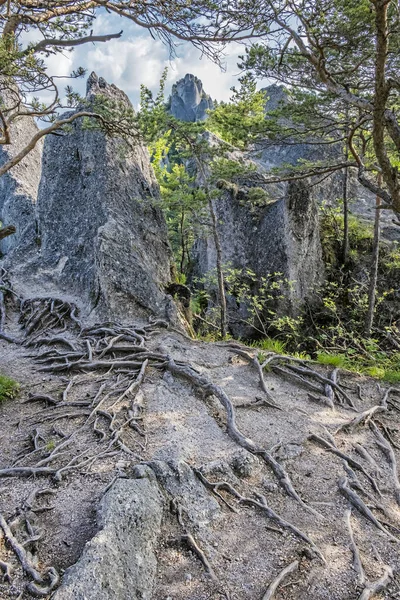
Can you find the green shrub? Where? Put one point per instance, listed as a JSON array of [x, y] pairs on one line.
[[8, 388]]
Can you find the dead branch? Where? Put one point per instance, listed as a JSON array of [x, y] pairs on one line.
[[270, 593]]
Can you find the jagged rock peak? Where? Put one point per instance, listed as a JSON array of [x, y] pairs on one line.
[[276, 95], [189, 101], [98, 86]]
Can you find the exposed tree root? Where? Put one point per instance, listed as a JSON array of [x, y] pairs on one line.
[[329, 391], [358, 503], [270, 593], [260, 370], [374, 588], [357, 564], [39, 314], [261, 504], [353, 463], [7, 570], [209, 388], [40, 587], [371, 588], [191, 542], [387, 449], [366, 416]]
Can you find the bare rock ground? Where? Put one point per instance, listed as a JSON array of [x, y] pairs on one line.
[[107, 407]]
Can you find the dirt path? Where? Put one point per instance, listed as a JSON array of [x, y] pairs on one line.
[[124, 403]]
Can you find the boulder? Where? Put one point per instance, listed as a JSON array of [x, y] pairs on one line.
[[188, 101], [120, 561]]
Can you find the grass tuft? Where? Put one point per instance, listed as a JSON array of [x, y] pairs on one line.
[[8, 388], [333, 360], [270, 345]]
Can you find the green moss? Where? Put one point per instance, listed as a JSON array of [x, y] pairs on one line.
[[8, 388]]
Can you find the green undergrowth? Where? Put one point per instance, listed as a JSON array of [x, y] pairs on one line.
[[380, 365], [8, 388]]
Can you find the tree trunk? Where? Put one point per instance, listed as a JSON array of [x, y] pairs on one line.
[[374, 267], [345, 243], [218, 250], [220, 273]]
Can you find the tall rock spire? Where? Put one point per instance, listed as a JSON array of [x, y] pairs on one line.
[[188, 101]]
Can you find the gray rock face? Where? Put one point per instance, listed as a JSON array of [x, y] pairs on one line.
[[280, 237], [119, 563], [188, 101], [19, 187], [103, 239]]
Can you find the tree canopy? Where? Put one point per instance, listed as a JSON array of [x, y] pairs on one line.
[[340, 54]]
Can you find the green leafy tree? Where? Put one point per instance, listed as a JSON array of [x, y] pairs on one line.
[[190, 142], [342, 52], [240, 121]]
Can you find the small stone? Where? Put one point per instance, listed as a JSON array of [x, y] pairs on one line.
[[269, 486]]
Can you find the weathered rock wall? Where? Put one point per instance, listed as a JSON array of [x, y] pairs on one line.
[[280, 237], [101, 236], [19, 186]]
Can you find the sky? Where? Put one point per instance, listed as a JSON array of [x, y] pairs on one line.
[[137, 58]]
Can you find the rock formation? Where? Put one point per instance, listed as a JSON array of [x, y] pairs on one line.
[[120, 562], [19, 187], [188, 101], [101, 236], [282, 236]]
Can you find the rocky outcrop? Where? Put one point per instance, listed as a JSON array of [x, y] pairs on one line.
[[279, 236], [120, 561], [188, 101], [19, 186], [101, 236]]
